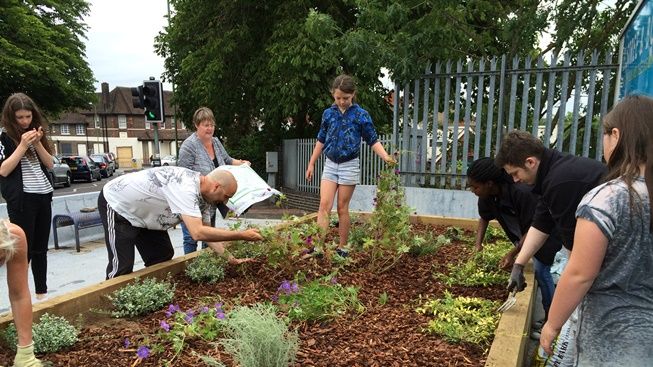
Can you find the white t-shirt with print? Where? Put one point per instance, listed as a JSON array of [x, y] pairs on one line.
[[156, 198]]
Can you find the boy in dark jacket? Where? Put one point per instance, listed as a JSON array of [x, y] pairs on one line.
[[560, 180]]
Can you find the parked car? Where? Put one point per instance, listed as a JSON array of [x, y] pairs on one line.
[[114, 159], [169, 160], [107, 167], [83, 168], [60, 173]]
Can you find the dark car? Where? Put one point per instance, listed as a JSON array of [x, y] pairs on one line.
[[83, 168], [107, 167], [60, 173]]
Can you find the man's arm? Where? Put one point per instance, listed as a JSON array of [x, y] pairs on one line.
[[531, 243], [201, 232]]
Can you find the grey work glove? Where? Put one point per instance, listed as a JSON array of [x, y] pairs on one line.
[[517, 281]]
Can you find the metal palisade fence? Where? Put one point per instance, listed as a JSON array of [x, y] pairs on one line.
[[371, 165], [458, 111]]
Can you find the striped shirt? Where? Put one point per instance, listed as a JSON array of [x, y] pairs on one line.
[[34, 180]]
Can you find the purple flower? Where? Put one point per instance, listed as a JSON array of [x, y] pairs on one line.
[[204, 309], [220, 315], [285, 287], [309, 240], [171, 310], [189, 318], [126, 343], [294, 287], [275, 297], [164, 325], [334, 280], [397, 171], [143, 352]]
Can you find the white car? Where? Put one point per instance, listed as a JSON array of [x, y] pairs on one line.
[[169, 160]]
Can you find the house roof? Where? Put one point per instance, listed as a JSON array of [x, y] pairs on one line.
[[120, 103]]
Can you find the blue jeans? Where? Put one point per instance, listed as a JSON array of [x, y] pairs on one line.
[[545, 281], [190, 245]]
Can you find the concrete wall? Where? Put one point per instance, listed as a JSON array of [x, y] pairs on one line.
[[70, 204], [447, 203]]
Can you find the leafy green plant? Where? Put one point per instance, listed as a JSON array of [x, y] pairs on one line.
[[457, 319], [320, 299], [492, 253], [427, 245], [208, 267], [50, 334], [179, 327], [493, 234], [283, 245], [256, 337], [482, 269], [389, 226], [383, 298], [141, 297]]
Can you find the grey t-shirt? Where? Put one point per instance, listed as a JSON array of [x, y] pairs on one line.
[[616, 315]]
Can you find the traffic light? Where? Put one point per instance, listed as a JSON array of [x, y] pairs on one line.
[[152, 99], [137, 97]]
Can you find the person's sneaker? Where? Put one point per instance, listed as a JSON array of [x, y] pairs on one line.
[[342, 252], [536, 334], [537, 325]]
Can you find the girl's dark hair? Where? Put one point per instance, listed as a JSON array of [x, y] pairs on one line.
[[20, 101], [484, 169], [345, 83], [633, 117]]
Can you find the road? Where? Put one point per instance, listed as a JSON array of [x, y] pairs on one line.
[[79, 187]]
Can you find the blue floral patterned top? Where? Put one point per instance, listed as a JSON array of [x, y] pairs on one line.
[[341, 133]]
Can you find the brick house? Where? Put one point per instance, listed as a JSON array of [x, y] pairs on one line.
[[114, 125]]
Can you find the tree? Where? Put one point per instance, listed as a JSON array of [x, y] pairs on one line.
[[42, 54], [266, 66]]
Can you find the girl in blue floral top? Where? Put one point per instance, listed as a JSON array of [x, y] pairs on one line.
[[609, 278], [344, 124]]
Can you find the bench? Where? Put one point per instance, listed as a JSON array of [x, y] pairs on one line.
[[80, 220]]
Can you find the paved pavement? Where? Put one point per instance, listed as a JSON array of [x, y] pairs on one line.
[[69, 270]]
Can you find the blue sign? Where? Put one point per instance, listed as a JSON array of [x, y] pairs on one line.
[[636, 64]]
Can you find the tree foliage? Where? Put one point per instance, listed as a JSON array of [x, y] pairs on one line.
[[42, 53], [266, 66]]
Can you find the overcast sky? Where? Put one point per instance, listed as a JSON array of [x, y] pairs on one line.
[[120, 44]]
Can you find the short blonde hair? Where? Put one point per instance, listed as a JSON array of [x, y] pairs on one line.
[[7, 240], [203, 114]]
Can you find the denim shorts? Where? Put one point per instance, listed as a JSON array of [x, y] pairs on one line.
[[346, 173]]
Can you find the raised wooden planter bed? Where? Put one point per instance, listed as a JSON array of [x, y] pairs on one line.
[[508, 348]]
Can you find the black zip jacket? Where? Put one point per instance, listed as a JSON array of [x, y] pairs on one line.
[[562, 181]]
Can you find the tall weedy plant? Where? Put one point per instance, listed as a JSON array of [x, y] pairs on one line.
[[389, 225]]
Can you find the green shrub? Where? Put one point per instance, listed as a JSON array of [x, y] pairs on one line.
[[427, 245], [141, 297], [482, 269], [50, 334], [208, 267], [467, 319], [320, 299], [256, 337]]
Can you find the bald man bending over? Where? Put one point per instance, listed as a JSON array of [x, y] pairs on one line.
[[138, 208]]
